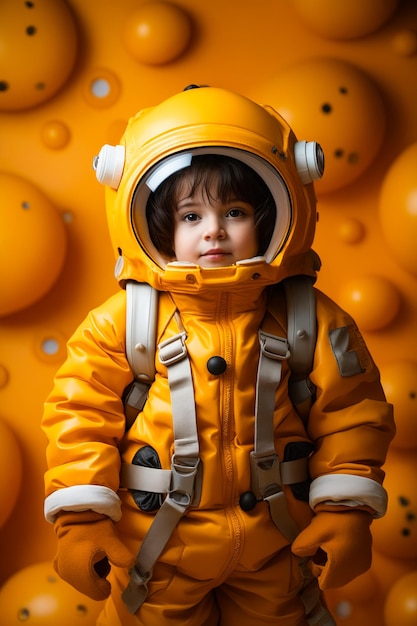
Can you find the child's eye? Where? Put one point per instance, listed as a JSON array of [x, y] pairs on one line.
[[190, 217], [236, 212]]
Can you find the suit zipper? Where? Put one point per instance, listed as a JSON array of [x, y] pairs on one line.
[[227, 431]]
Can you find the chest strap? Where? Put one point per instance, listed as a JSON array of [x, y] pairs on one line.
[[182, 491]]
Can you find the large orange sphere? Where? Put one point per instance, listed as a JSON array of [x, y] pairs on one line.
[[395, 534], [37, 596], [11, 471], [38, 50], [399, 380], [389, 569], [401, 602], [335, 103], [33, 243], [398, 208], [373, 301], [345, 20]]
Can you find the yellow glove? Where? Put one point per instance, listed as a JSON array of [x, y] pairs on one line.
[[87, 544], [340, 545]]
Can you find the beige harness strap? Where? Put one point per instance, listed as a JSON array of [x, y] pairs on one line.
[[267, 471], [182, 491]]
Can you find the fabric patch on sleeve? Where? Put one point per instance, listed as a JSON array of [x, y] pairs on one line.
[[349, 349]]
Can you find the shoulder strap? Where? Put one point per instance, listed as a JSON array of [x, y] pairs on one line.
[[301, 337], [141, 323], [183, 484], [268, 472]]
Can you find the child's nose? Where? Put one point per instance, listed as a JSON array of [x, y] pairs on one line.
[[215, 229]]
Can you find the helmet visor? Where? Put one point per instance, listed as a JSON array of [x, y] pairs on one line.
[[273, 219]]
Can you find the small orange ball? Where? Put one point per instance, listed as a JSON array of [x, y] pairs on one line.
[[157, 33], [373, 301], [55, 135], [351, 231], [404, 43]]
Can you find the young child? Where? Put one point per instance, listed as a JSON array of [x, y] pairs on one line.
[[219, 505]]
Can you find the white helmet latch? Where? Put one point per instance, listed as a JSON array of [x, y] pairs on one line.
[[109, 164], [309, 161]]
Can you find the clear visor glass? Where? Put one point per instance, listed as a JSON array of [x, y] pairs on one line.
[[181, 160]]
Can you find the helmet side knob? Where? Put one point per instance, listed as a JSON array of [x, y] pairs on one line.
[[309, 161], [109, 164]]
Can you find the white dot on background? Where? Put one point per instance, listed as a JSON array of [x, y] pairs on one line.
[[100, 88], [67, 217], [343, 609], [50, 346]]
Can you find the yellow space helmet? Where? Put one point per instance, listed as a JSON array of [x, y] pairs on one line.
[[163, 139]]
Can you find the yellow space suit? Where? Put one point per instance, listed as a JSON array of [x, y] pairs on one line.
[[224, 560]]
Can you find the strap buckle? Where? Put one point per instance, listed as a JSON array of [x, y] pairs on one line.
[[273, 347], [266, 484], [265, 475], [139, 578], [185, 487], [136, 591], [173, 349]]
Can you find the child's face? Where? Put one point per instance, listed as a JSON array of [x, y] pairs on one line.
[[210, 233]]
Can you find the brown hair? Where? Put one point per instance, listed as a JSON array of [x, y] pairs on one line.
[[221, 178]]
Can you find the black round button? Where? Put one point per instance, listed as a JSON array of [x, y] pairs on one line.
[[216, 365], [247, 501]]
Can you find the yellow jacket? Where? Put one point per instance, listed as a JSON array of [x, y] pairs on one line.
[[85, 423]]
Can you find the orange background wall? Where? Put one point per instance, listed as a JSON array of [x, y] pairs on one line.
[[344, 73]]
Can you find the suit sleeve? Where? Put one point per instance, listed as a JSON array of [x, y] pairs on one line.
[[350, 422], [83, 417]]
